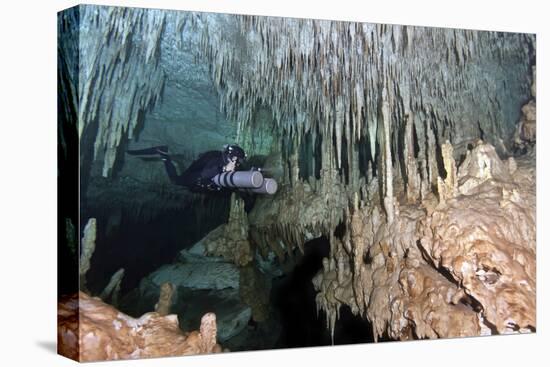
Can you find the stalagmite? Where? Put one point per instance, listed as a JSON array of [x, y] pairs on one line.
[[527, 128], [165, 299], [392, 256], [526, 132], [230, 240], [359, 241], [112, 289], [431, 161], [87, 249], [447, 188]]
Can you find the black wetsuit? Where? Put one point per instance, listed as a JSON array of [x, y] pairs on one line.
[[198, 176]]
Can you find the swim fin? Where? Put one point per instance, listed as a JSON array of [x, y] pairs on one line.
[[161, 149]]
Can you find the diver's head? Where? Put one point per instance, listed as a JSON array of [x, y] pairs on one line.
[[234, 153]]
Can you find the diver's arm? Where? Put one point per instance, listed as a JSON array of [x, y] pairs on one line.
[[209, 171]]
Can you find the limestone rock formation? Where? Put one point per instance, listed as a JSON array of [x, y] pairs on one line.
[[528, 125], [526, 133], [485, 239], [447, 188], [320, 69], [230, 240], [90, 330], [464, 266], [165, 299]]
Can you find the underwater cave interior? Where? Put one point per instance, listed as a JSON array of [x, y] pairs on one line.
[[404, 157]]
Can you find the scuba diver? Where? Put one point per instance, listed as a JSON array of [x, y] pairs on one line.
[[201, 175]]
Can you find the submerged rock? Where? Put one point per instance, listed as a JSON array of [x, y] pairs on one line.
[[204, 284], [203, 275]]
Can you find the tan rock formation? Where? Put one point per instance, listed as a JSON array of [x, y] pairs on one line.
[[305, 214], [167, 291], [463, 266], [528, 123], [527, 128], [432, 305], [90, 330], [486, 238], [447, 188], [230, 240]]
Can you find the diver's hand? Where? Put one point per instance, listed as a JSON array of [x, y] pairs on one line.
[[229, 167]]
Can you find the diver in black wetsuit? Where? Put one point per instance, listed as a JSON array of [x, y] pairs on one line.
[[198, 176]]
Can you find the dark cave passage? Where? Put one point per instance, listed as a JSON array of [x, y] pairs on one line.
[[293, 296], [142, 246]]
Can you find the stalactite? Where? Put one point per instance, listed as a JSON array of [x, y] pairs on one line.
[[413, 178], [387, 160], [338, 130], [431, 161]]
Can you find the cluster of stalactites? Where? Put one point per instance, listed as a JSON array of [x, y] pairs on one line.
[[322, 80], [118, 72], [110, 57], [359, 86], [128, 74]]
